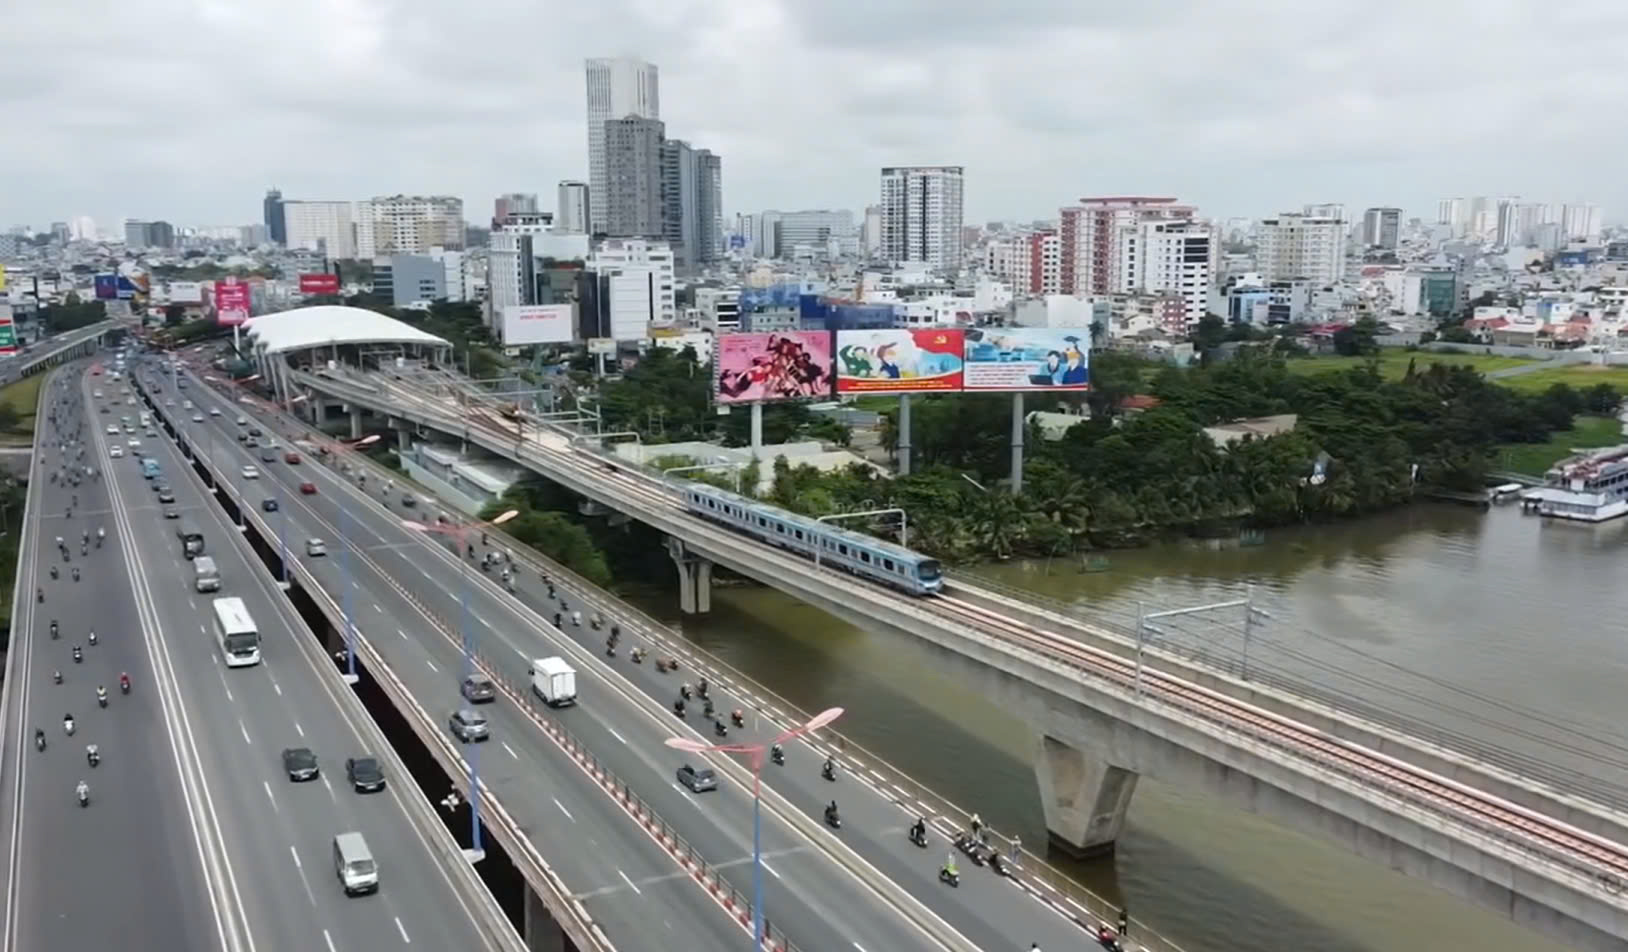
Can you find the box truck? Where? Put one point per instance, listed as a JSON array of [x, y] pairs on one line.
[[554, 681]]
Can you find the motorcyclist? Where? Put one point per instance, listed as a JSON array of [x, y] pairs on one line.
[[737, 717], [76, 573], [703, 687], [918, 829], [92, 755], [576, 619], [776, 754], [678, 707], [67, 723], [124, 682], [53, 573], [78, 655], [93, 636], [57, 676], [101, 695], [720, 728], [831, 813], [948, 872], [53, 628], [39, 593], [83, 790], [829, 770], [39, 737]]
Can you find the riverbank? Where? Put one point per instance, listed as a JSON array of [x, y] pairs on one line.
[[1587, 432], [19, 402]]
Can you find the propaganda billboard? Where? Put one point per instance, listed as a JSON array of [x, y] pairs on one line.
[[786, 365], [107, 287], [186, 292], [231, 302], [898, 360], [322, 282], [526, 324], [1027, 358]]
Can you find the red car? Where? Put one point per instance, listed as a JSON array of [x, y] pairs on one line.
[[308, 489], [291, 457]]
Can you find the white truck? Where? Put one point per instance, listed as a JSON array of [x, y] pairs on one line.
[[554, 681]]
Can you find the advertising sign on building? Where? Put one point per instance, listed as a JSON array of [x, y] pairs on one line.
[[1027, 358], [128, 287], [793, 365], [186, 292], [8, 335], [322, 282], [107, 287], [897, 360], [526, 324], [601, 345], [231, 302], [2, 277]]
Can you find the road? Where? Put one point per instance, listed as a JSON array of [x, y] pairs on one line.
[[807, 894], [83, 878], [991, 912], [280, 834]]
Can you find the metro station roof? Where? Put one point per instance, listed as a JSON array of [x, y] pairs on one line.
[[305, 327]]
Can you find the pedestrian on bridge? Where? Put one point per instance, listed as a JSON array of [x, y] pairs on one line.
[[1124, 921]]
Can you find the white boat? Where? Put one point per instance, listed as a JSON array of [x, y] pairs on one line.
[[1591, 486], [1506, 492]]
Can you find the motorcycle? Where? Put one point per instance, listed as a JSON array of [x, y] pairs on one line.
[[636, 655], [39, 739], [53, 631], [684, 691], [57, 676], [777, 755], [76, 573], [950, 876], [829, 771], [93, 639], [720, 728], [918, 835], [678, 707], [124, 684], [68, 726], [39, 593], [78, 656], [996, 864], [738, 718], [101, 697], [53, 573], [92, 755], [84, 795], [557, 621], [832, 819], [703, 687]]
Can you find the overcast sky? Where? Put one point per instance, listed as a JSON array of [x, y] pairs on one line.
[[187, 110]]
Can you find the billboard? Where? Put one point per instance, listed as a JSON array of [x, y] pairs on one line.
[[787, 365], [322, 282], [525, 324], [186, 292], [231, 302], [897, 360], [2, 277], [1027, 358], [107, 287], [8, 336]]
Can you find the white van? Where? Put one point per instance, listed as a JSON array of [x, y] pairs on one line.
[[353, 864], [205, 576], [554, 681]]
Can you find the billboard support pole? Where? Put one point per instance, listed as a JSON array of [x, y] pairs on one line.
[[904, 434], [757, 429], [1017, 443]]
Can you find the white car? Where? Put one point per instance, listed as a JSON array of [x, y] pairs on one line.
[[97, 394], [117, 452], [186, 404], [197, 418], [112, 429], [214, 411], [133, 443], [251, 472]]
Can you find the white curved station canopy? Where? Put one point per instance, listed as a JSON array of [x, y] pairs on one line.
[[327, 324]]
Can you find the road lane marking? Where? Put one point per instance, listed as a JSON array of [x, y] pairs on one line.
[[298, 728], [278, 688], [563, 810], [295, 853], [629, 882], [431, 664], [330, 940], [403, 634], [377, 608], [514, 755], [616, 735], [245, 731], [269, 795], [765, 864], [403, 930]]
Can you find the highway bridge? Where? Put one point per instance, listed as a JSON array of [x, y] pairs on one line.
[[1106, 708], [194, 836], [589, 793], [54, 351]]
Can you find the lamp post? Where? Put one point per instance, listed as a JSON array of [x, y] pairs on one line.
[[350, 583], [756, 753]]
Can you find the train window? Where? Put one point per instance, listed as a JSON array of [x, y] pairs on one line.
[[843, 549], [798, 533], [888, 564], [864, 557]]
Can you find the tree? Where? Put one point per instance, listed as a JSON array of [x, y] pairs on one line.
[[174, 314]]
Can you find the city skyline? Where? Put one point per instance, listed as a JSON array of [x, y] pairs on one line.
[[372, 111]]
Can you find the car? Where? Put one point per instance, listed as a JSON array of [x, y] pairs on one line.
[[214, 411], [133, 443], [365, 774], [469, 725], [97, 394], [698, 779], [116, 452], [315, 547], [291, 458], [112, 429], [170, 512], [308, 488], [159, 487], [166, 497], [186, 404], [251, 442], [408, 500], [478, 689], [242, 437], [255, 431], [170, 402], [242, 420], [152, 433], [197, 418], [268, 454], [104, 410], [251, 472], [300, 763], [268, 504]]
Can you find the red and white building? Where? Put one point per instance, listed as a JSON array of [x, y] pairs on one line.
[[1137, 245]]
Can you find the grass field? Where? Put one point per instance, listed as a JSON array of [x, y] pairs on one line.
[[1534, 459], [1580, 376], [1393, 363], [23, 397]]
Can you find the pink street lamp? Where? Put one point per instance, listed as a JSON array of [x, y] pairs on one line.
[[755, 754]]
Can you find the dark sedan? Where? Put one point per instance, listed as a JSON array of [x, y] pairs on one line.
[[300, 763], [365, 774]]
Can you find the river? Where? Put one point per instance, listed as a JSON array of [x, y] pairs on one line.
[[1498, 627]]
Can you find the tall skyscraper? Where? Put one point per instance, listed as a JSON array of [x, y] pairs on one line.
[[921, 214], [571, 214], [513, 203], [618, 88], [409, 224], [678, 202], [328, 227], [1382, 228], [276, 223], [1580, 222], [1301, 245], [1091, 234], [709, 206], [631, 201]]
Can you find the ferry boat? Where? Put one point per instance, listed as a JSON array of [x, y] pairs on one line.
[[1589, 487]]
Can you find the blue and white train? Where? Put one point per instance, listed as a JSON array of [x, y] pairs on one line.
[[893, 565]]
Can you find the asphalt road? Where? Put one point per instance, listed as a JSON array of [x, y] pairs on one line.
[[815, 901], [278, 834], [78, 878], [992, 911]]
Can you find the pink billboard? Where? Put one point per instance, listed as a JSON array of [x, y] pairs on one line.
[[783, 365], [231, 302]]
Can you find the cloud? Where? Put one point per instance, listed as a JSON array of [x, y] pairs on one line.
[[188, 109]]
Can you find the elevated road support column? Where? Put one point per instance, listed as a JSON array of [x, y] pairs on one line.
[[694, 578], [1085, 797], [355, 422], [541, 932]]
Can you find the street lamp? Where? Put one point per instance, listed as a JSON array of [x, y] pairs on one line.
[[756, 753], [350, 582]]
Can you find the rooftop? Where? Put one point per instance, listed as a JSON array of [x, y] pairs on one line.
[[306, 327]]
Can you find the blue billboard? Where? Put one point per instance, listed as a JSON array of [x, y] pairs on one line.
[[1027, 358], [776, 297], [107, 287]]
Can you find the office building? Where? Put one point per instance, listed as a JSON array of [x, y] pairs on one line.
[[921, 215], [678, 203], [709, 206], [411, 279], [513, 203], [253, 236], [408, 224], [871, 241], [82, 228], [1382, 228], [637, 283], [141, 235], [571, 212], [60, 233], [632, 198], [1090, 233], [817, 233], [276, 227], [1168, 256], [328, 228], [1580, 222], [618, 88], [1302, 245], [1509, 223]]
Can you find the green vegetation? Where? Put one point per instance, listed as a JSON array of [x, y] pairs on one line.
[[18, 403], [209, 271], [545, 523], [1394, 362], [1572, 375], [1534, 459], [73, 314]]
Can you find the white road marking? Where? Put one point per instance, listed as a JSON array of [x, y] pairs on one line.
[[629, 882], [295, 853], [269, 795], [616, 735], [403, 930], [563, 810], [278, 688], [297, 727], [403, 634], [513, 754], [330, 940], [431, 664], [765, 864], [245, 731], [377, 608]]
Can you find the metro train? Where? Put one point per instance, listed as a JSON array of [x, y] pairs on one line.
[[892, 565]]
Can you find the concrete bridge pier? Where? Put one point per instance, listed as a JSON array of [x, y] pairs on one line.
[[540, 931], [355, 423], [1085, 796], [694, 578]]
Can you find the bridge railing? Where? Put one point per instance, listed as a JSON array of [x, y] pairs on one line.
[[1522, 766], [1393, 791]]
